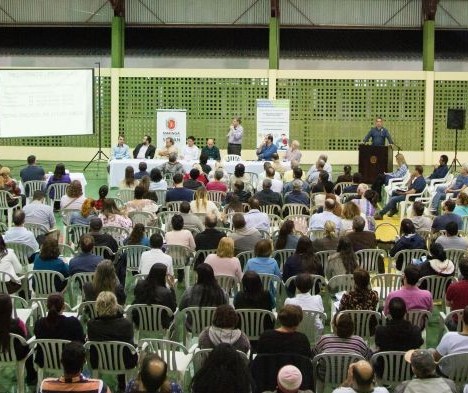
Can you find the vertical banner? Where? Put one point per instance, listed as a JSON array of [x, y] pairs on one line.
[[171, 123], [273, 118]]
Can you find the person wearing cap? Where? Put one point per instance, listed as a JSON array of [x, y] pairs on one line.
[[425, 377], [360, 379], [289, 380]]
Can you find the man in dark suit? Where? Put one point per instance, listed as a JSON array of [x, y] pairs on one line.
[[145, 149]]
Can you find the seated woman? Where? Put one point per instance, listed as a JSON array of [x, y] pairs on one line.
[[16, 326], [287, 239], [263, 262], [345, 176], [437, 264], [223, 330], [344, 261], [217, 183], [329, 240], [112, 216], [224, 262], [10, 185], [350, 210], [157, 182], [140, 204], [137, 236], [156, 288], [362, 297], [286, 338], [179, 236], [145, 183], [48, 259], [104, 279], [57, 326], [103, 191], [129, 181], [74, 197], [462, 204], [409, 240], [10, 264], [201, 204], [87, 213], [252, 294], [111, 325]]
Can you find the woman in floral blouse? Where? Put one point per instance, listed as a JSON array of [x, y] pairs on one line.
[[362, 298]]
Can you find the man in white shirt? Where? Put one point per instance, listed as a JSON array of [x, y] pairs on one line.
[[190, 152], [317, 221], [276, 183], [254, 218], [19, 234], [314, 171], [155, 255], [327, 167]]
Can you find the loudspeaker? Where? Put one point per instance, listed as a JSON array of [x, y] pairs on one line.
[[456, 119]]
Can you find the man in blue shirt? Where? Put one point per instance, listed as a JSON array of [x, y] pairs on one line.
[[179, 192], [121, 151], [441, 170], [32, 171], [416, 185], [441, 222], [378, 134], [458, 185], [267, 148], [85, 261]]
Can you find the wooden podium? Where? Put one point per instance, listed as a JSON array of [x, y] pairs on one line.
[[374, 160]]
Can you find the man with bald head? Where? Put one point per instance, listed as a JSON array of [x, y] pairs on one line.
[[360, 379], [211, 151], [153, 376]]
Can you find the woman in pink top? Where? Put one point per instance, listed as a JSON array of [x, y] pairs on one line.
[[179, 236], [112, 216], [224, 263]]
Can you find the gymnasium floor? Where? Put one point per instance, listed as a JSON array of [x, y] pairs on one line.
[[96, 175]]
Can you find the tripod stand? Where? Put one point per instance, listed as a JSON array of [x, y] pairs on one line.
[[98, 156], [455, 160]]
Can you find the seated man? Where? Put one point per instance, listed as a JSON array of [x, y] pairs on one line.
[[85, 261], [323, 182], [451, 239], [210, 237], [420, 221], [266, 148], [192, 183], [416, 184], [32, 171], [168, 149], [458, 185], [360, 378], [383, 178], [254, 218], [190, 152], [211, 151], [289, 174], [440, 222], [102, 239], [440, 171], [37, 212], [297, 174], [361, 239], [327, 167], [155, 255], [172, 166], [179, 192], [19, 234], [144, 149], [317, 221], [190, 220], [267, 196], [352, 189], [244, 238], [218, 183], [276, 184], [314, 171], [73, 359], [142, 171], [121, 151], [297, 195]]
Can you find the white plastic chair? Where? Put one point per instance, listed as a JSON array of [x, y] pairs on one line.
[[36, 229], [181, 259], [437, 286], [308, 325], [368, 259], [6, 196], [31, 186], [58, 190], [455, 367], [386, 283], [445, 318], [118, 233], [74, 232], [126, 195], [44, 281], [232, 157], [282, 255], [9, 359], [230, 284], [75, 286], [363, 320], [252, 322], [161, 195], [150, 319], [199, 317], [407, 256], [141, 217], [395, 369]]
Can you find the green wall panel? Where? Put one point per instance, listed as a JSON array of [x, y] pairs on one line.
[[448, 95], [81, 140], [335, 114], [210, 105]]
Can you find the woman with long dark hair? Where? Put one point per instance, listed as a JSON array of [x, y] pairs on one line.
[[103, 191], [286, 237], [157, 180], [153, 290], [104, 279], [137, 236], [344, 261], [129, 181], [112, 216], [252, 294]]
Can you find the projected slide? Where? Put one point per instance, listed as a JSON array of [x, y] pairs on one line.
[[37, 103]]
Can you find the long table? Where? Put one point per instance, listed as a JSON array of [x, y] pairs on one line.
[[117, 167]]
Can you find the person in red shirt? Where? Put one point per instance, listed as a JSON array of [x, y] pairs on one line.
[[216, 184], [456, 296]]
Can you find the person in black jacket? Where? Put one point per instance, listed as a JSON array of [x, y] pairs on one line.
[[209, 238], [147, 151], [252, 294], [153, 290], [111, 325], [409, 240]]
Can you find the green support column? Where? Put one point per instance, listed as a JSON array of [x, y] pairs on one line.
[[118, 41], [274, 46], [428, 45]]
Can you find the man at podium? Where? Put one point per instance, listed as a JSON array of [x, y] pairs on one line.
[[378, 134]]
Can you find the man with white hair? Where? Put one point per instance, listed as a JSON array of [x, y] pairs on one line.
[[293, 152], [317, 221], [267, 196], [276, 184], [289, 175], [314, 171], [297, 195], [327, 167]]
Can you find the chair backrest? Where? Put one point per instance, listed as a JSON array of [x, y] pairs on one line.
[[44, 281], [363, 320], [418, 318], [437, 285], [4, 278], [39, 306], [244, 256], [150, 230], [200, 317], [164, 219], [407, 256], [23, 252], [386, 283], [301, 222], [458, 314], [275, 222], [394, 368], [368, 259], [455, 367], [141, 217], [75, 231], [281, 256], [322, 257], [118, 233], [316, 234], [292, 209], [335, 367], [317, 281], [216, 196], [270, 209], [9, 358], [269, 280], [341, 283], [465, 224], [180, 255], [126, 195], [36, 229], [173, 206], [3, 228], [264, 234], [102, 251], [133, 255], [308, 326], [228, 283], [33, 185], [232, 157], [201, 255], [66, 215], [75, 285], [161, 195], [87, 311], [51, 350], [455, 255], [55, 192], [339, 187], [252, 322], [167, 350], [150, 318], [110, 356]]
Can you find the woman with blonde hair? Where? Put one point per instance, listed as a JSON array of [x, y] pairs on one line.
[[10, 185], [329, 240], [112, 216], [74, 198], [224, 262], [201, 204], [129, 181], [350, 210], [383, 178], [87, 213], [104, 279], [111, 325]]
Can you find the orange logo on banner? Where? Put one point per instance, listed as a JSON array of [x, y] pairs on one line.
[[171, 124], [373, 159]]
